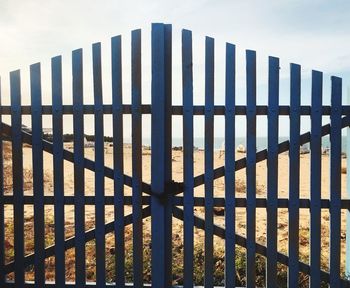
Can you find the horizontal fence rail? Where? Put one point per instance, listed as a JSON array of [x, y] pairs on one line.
[[147, 214], [179, 201], [240, 110]]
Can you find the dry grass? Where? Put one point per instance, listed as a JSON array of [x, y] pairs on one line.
[[178, 251], [240, 186], [27, 173], [49, 240]]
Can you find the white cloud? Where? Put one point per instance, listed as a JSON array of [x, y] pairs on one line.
[[312, 34]]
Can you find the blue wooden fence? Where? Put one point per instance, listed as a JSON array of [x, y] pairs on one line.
[[163, 199]]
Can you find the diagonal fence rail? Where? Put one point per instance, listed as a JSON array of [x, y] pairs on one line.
[[178, 201]]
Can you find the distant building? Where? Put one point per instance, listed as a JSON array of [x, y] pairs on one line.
[[88, 144]]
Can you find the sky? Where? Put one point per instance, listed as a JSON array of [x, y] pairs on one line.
[[314, 34]]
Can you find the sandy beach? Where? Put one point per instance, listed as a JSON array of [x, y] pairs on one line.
[[219, 188]]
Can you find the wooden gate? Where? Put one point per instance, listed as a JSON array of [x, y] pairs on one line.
[[164, 200]]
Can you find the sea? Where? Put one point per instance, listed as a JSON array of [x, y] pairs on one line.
[[261, 142]]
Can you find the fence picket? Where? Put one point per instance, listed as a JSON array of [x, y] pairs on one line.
[[230, 218], [38, 177], [17, 168], [315, 178], [158, 156], [57, 120], [2, 210], [168, 152], [118, 161], [294, 177], [99, 168], [137, 158], [209, 161], [79, 175], [168, 189], [251, 166], [161, 156], [347, 212], [187, 90], [335, 183], [272, 173]]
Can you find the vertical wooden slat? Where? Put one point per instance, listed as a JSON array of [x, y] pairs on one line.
[[79, 175], [136, 157], [209, 161], [272, 174], [157, 160], [230, 212], [161, 58], [251, 166], [2, 212], [157, 157], [168, 151], [17, 168], [57, 120], [38, 177], [315, 176], [99, 168], [187, 92], [294, 177], [347, 249], [335, 183], [118, 161]]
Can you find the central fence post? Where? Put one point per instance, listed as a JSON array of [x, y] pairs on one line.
[[161, 163]]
